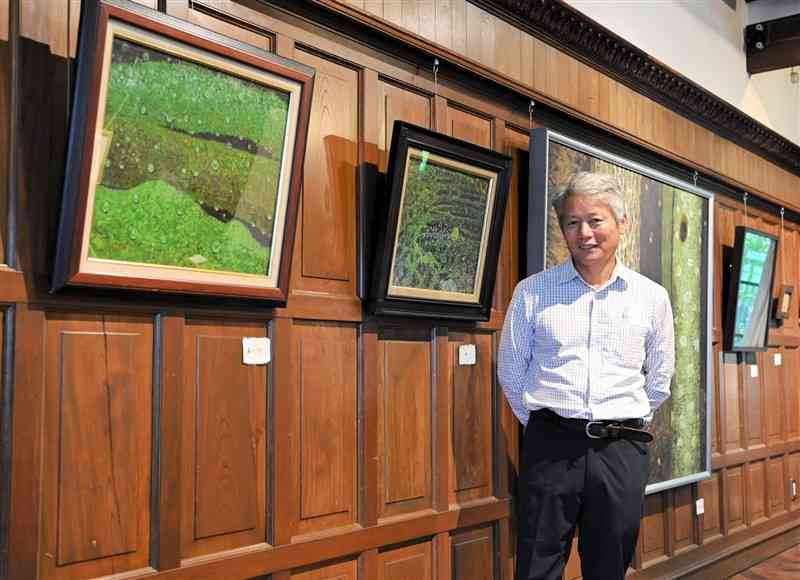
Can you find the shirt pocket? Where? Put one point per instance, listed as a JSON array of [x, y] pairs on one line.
[[627, 347]]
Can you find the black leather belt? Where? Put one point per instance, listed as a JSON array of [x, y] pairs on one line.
[[622, 429]]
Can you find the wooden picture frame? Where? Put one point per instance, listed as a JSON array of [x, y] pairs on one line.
[[783, 304], [184, 161], [437, 255]]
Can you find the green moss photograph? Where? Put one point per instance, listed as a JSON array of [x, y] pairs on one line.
[[441, 227], [192, 165]]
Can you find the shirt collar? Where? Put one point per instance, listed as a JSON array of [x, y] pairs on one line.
[[567, 272]]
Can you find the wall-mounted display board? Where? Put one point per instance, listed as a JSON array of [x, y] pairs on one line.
[[669, 241], [749, 304], [184, 161], [436, 254]]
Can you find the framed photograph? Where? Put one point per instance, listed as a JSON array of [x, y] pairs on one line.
[[669, 241], [445, 204], [184, 159], [783, 305]]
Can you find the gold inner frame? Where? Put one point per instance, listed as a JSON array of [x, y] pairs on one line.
[[474, 296]]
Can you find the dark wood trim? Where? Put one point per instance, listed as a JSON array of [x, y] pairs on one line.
[[6, 416], [571, 31], [773, 44]]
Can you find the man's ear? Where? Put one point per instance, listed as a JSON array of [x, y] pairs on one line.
[[624, 223]]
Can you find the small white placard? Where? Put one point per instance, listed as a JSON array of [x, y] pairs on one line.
[[466, 354], [754, 371], [255, 350], [700, 506], [778, 359]]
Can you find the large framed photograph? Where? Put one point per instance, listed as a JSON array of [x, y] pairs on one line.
[[669, 241], [184, 159], [437, 255]]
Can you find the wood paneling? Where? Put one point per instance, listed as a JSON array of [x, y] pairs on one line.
[[328, 204], [788, 378], [5, 120], [224, 440], [414, 562], [793, 459], [756, 492], [404, 424], [683, 525], [734, 499], [472, 554], [731, 398], [712, 496], [469, 127], [471, 419], [97, 449], [340, 571], [776, 488], [773, 397], [224, 17], [316, 428], [653, 534], [399, 103]]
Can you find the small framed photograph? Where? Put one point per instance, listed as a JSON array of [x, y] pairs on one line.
[[783, 304], [184, 159], [446, 198]]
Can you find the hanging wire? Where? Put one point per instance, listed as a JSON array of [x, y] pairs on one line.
[[530, 114], [695, 177], [746, 195], [781, 248]]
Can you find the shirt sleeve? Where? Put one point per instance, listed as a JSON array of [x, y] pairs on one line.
[[659, 363], [514, 353]]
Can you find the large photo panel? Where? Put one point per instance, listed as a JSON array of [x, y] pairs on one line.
[[669, 242]]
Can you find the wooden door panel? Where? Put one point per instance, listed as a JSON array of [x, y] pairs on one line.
[[473, 554], [404, 424], [414, 562], [97, 449], [224, 486], [471, 416]]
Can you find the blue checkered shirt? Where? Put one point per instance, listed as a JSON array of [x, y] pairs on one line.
[[585, 353]]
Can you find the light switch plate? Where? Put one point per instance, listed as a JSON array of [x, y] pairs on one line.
[[466, 354], [778, 359], [700, 507], [255, 350]]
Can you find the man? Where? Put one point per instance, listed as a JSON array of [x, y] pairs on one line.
[[585, 359]]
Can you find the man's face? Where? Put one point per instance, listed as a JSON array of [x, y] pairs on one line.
[[591, 231]]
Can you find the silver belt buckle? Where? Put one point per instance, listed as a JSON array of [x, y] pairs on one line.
[[588, 425]]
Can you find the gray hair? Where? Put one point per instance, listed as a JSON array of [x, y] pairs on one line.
[[601, 185]]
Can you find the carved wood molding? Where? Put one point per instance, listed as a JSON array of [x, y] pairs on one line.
[[571, 31]]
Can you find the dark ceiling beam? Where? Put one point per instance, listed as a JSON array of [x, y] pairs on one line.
[[773, 44]]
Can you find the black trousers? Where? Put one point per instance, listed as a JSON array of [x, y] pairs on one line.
[[568, 480]]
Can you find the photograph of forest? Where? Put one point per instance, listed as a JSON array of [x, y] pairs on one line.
[[666, 242], [189, 165], [443, 222]]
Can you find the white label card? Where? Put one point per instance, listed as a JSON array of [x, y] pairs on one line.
[[700, 506], [255, 350], [778, 359], [466, 354], [754, 371]]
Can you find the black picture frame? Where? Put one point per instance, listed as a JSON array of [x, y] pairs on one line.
[[736, 304], [232, 171], [457, 239]]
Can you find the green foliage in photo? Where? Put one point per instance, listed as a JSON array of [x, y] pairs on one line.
[[440, 230], [154, 223]]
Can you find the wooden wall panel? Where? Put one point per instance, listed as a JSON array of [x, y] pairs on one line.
[[756, 492], [774, 397], [793, 460], [469, 126], [414, 562], [753, 403], [327, 231], [653, 534], [340, 571], [326, 368], [224, 486], [397, 102], [404, 424], [731, 399], [224, 17], [471, 418], [97, 446], [776, 486], [712, 518], [791, 372], [472, 554], [683, 524], [5, 103], [734, 489]]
